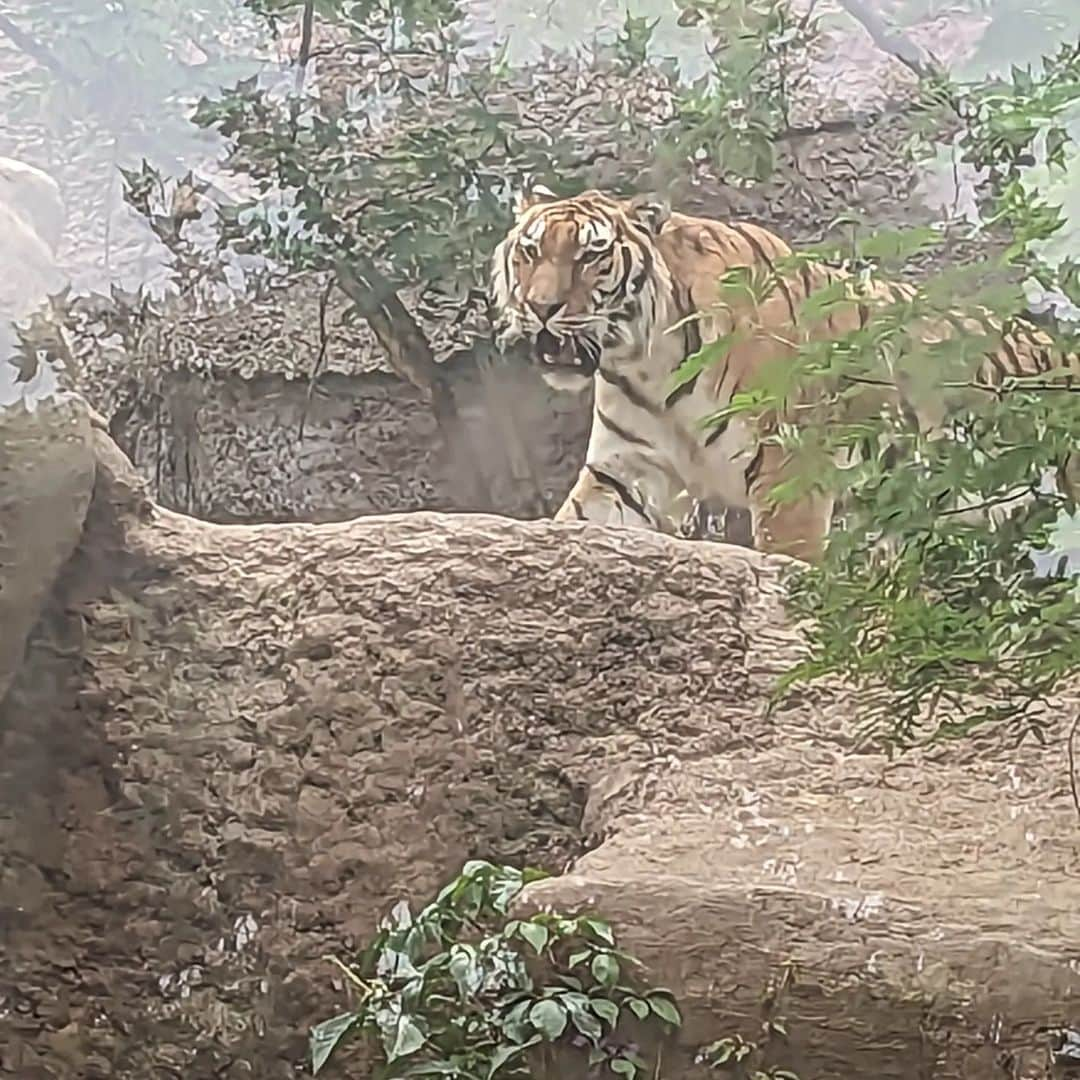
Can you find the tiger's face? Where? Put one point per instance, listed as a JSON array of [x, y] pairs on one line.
[[576, 277]]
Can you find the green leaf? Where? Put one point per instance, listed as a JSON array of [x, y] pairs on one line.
[[504, 1053], [535, 934], [723, 1051], [463, 968], [638, 1007], [605, 969], [623, 1067], [324, 1038], [600, 928], [586, 1024], [578, 957], [549, 1018], [606, 1010], [665, 1009], [408, 1040]]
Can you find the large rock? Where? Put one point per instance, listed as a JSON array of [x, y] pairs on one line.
[[924, 917], [32, 221], [256, 737], [46, 476]]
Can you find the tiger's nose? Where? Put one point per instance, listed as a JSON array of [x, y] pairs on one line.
[[545, 311]]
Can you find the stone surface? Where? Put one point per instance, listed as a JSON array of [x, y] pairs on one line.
[[231, 747], [46, 476], [229, 449]]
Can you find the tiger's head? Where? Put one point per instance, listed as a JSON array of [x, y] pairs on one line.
[[578, 276]]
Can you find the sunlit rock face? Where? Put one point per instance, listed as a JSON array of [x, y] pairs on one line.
[[31, 223]]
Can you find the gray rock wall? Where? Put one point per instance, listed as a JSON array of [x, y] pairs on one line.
[[259, 449]]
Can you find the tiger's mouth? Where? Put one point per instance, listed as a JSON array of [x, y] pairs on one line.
[[578, 355]]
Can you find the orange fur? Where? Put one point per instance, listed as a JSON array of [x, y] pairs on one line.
[[653, 299]]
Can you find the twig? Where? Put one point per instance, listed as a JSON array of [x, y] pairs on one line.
[[893, 42], [35, 50], [351, 975], [1071, 750], [324, 341], [304, 55], [1021, 385], [804, 22], [989, 504]]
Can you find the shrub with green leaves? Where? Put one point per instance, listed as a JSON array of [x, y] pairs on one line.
[[464, 989], [399, 182], [946, 592], [394, 173], [733, 115]]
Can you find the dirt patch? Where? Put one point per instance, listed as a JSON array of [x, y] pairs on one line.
[[228, 449]]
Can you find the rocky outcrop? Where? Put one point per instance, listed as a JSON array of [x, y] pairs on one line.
[[230, 747], [46, 476], [31, 222]]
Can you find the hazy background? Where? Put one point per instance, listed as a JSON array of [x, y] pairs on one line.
[[101, 86]]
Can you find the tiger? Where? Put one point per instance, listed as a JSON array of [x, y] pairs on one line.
[[618, 293]]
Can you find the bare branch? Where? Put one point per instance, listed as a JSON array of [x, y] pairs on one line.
[[1072, 763], [406, 345], [324, 342], [893, 42], [34, 49], [306, 24]]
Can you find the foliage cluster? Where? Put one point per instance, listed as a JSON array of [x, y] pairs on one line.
[[406, 179], [942, 593], [734, 113], [463, 989]]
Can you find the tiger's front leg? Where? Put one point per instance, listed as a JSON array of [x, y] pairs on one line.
[[602, 496], [799, 528]]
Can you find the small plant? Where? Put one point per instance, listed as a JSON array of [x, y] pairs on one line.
[[733, 115], [461, 989], [736, 1057], [740, 1059]]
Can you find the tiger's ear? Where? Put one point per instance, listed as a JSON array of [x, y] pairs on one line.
[[531, 196], [652, 213]]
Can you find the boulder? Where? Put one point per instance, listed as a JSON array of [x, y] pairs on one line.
[[32, 219], [46, 477], [251, 740]]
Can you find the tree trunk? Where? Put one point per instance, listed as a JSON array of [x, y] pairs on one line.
[[409, 353]]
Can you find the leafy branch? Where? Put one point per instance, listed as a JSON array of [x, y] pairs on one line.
[[462, 988], [734, 115], [948, 590]]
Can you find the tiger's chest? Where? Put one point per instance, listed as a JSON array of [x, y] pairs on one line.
[[636, 414]]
